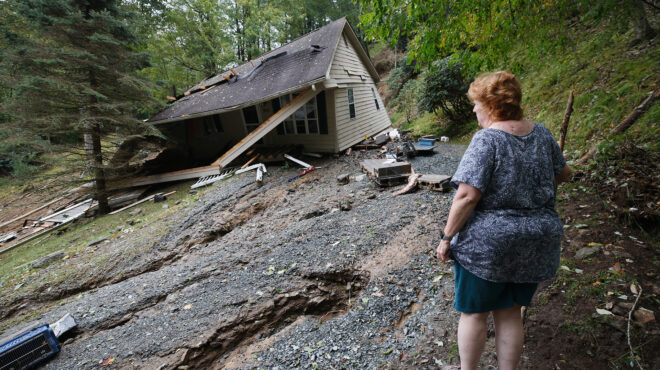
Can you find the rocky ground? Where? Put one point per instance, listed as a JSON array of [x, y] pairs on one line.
[[294, 274]]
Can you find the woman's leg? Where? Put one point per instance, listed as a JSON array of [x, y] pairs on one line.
[[508, 337], [471, 338]]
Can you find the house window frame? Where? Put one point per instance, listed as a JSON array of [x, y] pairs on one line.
[[373, 92], [290, 123], [352, 113], [246, 125]]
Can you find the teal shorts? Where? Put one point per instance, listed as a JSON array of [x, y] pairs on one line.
[[475, 295]]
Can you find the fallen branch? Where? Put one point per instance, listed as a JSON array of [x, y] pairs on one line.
[[564, 124], [632, 353], [625, 124]]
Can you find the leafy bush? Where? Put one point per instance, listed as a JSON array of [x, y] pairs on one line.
[[406, 101], [400, 75], [443, 87]]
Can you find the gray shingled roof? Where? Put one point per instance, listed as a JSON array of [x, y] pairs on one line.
[[299, 63]]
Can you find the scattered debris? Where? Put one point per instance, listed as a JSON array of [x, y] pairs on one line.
[[140, 202], [19, 352], [434, 182], [207, 180], [7, 237], [343, 179], [412, 184], [63, 325], [386, 174]]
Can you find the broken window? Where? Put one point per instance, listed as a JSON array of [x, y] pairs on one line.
[[351, 103], [373, 92], [303, 121]]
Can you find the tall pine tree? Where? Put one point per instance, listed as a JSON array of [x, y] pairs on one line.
[[77, 81]]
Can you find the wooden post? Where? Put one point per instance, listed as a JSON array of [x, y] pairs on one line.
[[564, 124]]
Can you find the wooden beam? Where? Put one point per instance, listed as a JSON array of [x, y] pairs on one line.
[[31, 212], [266, 127], [190, 173], [251, 160]]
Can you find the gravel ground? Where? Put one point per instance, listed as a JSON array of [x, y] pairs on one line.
[[299, 274]]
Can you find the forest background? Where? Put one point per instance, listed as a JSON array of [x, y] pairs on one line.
[[78, 76]]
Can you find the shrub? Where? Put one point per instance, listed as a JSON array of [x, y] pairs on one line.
[[443, 87]]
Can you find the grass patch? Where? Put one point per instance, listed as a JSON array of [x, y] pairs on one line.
[[74, 238]]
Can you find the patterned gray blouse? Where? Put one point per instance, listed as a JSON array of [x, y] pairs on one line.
[[514, 233]]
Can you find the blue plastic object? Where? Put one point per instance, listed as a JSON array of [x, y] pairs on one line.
[[426, 142], [29, 349]]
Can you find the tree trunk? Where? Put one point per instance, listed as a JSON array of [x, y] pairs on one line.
[[564, 124], [641, 26], [95, 159]]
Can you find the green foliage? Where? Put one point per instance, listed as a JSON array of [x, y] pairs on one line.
[[479, 33], [445, 88], [400, 75], [406, 100]]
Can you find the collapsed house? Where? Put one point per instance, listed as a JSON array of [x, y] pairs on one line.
[[318, 92]]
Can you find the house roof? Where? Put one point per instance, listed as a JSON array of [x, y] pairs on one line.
[[300, 63]]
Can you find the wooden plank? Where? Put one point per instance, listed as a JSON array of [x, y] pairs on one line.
[[266, 127], [190, 173], [140, 202], [254, 158], [31, 212], [303, 164]]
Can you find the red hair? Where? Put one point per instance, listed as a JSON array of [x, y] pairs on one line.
[[499, 91]]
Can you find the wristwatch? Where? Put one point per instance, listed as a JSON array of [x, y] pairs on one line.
[[445, 237]]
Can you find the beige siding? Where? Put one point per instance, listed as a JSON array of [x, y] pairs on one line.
[[367, 122], [348, 71], [346, 65]]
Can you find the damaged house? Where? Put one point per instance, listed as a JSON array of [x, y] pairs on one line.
[[318, 92]]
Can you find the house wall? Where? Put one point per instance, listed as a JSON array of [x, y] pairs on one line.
[[320, 143], [349, 72]]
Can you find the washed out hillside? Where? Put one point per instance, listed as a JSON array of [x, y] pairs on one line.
[[211, 184]]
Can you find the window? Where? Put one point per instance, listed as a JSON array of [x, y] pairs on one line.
[[373, 92], [251, 117], [303, 121], [351, 103], [212, 124]]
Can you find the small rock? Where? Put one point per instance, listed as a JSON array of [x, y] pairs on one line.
[[97, 241], [345, 206], [136, 212], [343, 179], [165, 206], [586, 252], [643, 315], [130, 222], [178, 202], [43, 261]]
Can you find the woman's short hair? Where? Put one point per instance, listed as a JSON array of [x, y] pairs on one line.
[[500, 92]]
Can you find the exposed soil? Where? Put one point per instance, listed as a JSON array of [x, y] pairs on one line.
[[310, 273]]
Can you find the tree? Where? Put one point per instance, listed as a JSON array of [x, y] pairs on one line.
[[75, 80], [444, 88]]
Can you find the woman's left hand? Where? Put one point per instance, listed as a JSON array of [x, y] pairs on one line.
[[442, 251]]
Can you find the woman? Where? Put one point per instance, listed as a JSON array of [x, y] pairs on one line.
[[503, 232]]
